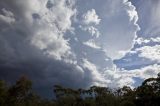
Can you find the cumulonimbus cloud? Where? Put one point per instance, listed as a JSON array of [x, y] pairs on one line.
[[40, 38]]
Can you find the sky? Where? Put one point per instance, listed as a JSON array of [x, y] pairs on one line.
[[79, 43]]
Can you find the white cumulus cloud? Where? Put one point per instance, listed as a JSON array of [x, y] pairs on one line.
[[91, 17], [120, 77], [150, 52], [92, 30], [118, 27]]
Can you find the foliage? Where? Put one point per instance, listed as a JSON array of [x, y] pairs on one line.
[[21, 94]]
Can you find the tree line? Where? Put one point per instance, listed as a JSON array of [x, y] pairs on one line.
[[21, 94]]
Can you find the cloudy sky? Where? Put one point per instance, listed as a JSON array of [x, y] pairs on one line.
[[79, 43]]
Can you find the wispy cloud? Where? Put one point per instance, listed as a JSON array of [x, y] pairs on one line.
[[91, 43]]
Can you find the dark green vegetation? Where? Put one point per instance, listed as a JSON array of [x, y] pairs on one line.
[[21, 94]]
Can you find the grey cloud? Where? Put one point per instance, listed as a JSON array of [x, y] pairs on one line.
[[39, 44], [8, 16], [45, 42], [34, 45], [49, 4]]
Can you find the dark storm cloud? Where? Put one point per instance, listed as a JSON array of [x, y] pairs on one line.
[[43, 40], [29, 46]]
